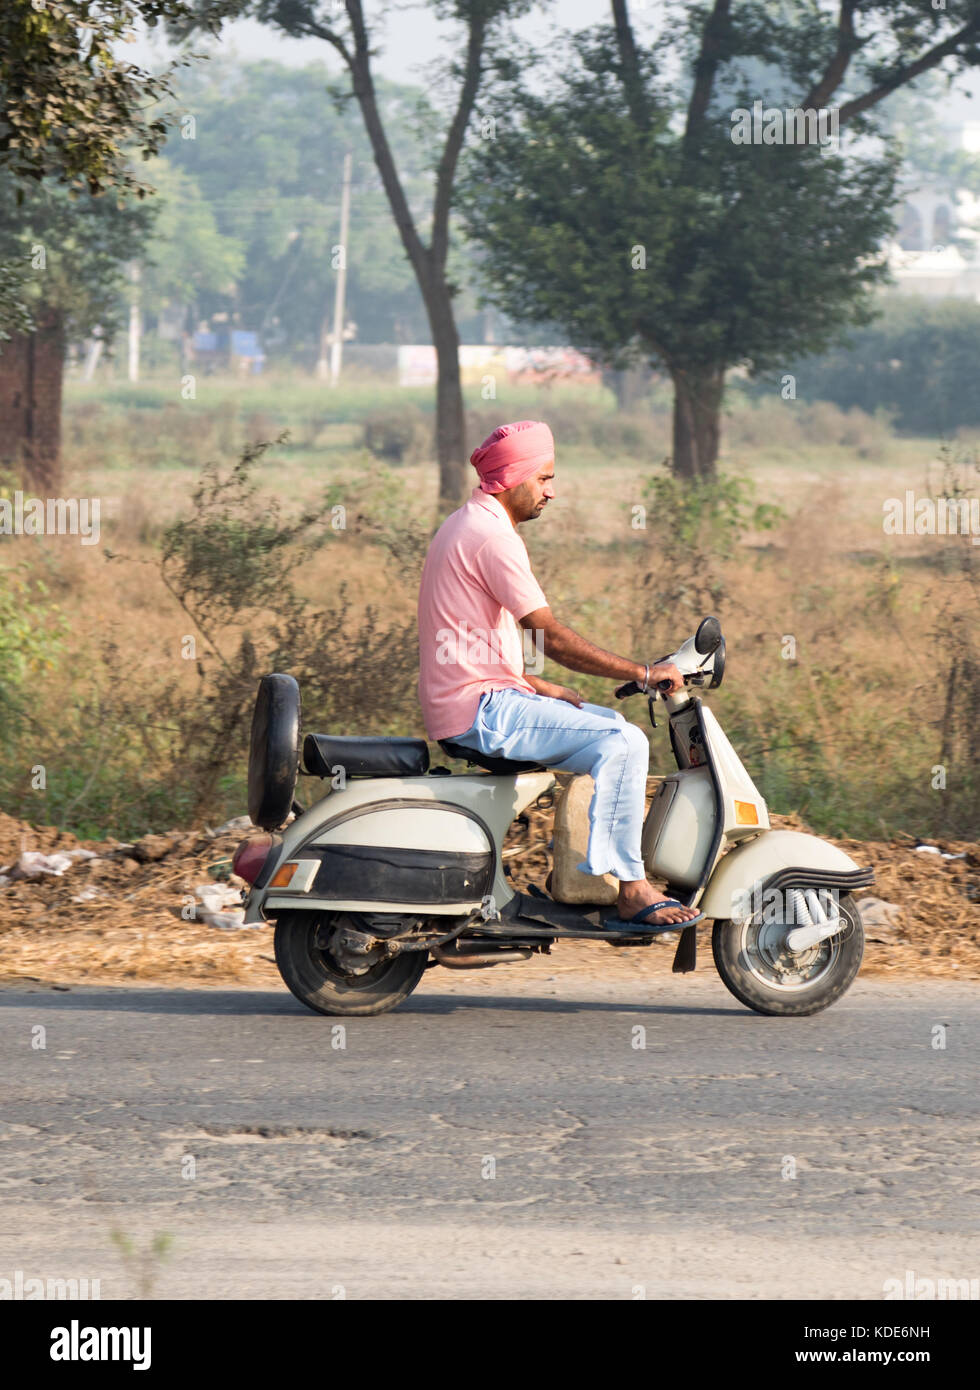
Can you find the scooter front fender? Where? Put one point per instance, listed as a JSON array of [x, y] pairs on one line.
[[738, 880]]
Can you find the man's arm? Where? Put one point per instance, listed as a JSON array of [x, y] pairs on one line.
[[562, 644], [556, 692]]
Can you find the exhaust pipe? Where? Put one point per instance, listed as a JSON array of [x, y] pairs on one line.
[[477, 958]]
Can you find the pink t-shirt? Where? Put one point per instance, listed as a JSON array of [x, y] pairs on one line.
[[476, 581]]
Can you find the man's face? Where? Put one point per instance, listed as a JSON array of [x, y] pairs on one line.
[[530, 498]]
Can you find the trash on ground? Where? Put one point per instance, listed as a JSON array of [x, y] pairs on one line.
[[32, 863]]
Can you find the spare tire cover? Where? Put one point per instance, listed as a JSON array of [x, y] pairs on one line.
[[273, 758]]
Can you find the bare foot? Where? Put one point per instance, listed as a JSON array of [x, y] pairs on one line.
[[633, 897]]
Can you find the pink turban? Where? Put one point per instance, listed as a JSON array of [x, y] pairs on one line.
[[512, 454]]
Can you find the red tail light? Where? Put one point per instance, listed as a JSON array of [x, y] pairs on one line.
[[250, 856]]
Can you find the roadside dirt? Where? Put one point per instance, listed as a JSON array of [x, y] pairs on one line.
[[116, 918]]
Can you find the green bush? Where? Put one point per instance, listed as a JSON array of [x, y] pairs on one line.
[[30, 640], [773, 423]]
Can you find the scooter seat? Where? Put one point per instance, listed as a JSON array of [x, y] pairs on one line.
[[501, 767], [365, 757]]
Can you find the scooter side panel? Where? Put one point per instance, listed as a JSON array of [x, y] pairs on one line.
[[750, 864], [496, 800]]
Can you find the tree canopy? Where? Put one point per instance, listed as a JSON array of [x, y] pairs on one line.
[[615, 202], [70, 107], [266, 156], [74, 114], [73, 251]]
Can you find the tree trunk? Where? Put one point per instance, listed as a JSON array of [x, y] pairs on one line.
[[629, 386], [428, 262], [31, 371], [697, 421], [451, 448]]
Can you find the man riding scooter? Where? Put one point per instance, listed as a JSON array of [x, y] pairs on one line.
[[477, 592]]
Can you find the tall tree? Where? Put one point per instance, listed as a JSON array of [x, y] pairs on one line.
[[76, 250], [186, 254], [622, 209], [73, 114], [71, 108], [350, 34]]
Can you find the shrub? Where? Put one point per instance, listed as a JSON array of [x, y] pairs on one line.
[[397, 436], [917, 360]]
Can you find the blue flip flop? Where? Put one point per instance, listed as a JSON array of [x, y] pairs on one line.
[[652, 928]]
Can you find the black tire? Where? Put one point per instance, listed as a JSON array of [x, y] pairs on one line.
[[310, 974], [836, 962]]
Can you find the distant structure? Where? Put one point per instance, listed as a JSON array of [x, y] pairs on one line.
[[936, 251]]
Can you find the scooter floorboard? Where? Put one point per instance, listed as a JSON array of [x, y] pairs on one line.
[[612, 934], [538, 916]]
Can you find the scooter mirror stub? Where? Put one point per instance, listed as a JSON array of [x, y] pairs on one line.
[[718, 665]]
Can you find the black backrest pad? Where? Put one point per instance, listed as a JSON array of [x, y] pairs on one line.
[[365, 757]]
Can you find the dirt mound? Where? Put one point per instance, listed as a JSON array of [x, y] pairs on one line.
[[17, 835], [117, 917]]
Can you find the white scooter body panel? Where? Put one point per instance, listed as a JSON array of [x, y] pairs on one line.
[[745, 809], [411, 813], [680, 827]]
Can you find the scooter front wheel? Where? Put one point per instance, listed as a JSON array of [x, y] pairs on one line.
[[315, 977], [763, 974]]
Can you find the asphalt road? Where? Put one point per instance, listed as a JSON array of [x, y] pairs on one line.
[[499, 1135]]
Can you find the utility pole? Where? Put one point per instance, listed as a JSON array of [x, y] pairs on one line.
[[337, 337], [135, 323]]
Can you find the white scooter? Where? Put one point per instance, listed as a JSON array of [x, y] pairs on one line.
[[397, 866]]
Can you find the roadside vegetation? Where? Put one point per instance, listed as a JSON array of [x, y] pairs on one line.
[[127, 669]]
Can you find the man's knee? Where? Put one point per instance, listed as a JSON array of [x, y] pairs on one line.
[[627, 742], [639, 745]]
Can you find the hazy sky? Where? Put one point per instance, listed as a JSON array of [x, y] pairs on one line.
[[412, 36]]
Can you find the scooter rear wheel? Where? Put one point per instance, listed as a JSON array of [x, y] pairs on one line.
[[773, 981], [311, 973]]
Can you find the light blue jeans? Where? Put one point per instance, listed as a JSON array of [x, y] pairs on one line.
[[593, 739]]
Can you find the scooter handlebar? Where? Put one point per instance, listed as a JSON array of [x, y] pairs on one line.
[[634, 688]]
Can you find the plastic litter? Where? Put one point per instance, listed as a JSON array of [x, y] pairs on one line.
[[220, 906], [32, 863], [880, 915], [236, 824]]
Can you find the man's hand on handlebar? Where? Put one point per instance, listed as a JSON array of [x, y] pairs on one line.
[[664, 679]]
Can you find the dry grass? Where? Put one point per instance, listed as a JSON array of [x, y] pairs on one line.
[[846, 733]]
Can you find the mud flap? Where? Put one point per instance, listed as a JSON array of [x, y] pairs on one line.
[[686, 955]]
